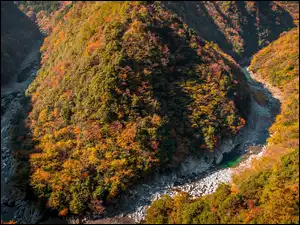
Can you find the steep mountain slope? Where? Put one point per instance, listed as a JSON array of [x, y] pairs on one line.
[[279, 63], [240, 28], [268, 192], [45, 13], [125, 87], [17, 37], [292, 7]]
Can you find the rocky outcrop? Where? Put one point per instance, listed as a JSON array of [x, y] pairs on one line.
[[6, 100], [27, 212], [13, 202]]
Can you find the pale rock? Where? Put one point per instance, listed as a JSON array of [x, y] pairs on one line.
[[219, 158]]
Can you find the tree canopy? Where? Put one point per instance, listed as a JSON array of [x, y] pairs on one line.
[[124, 87]]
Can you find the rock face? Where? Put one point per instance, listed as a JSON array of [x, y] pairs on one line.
[[6, 100], [32, 16], [219, 158], [275, 91], [225, 147], [27, 213], [13, 200]]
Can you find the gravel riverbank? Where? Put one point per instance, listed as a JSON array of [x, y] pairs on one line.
[[201, 176], [197, 175]]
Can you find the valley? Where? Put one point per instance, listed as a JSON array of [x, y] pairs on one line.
[[196, 175], [124, 114], [201, 176]]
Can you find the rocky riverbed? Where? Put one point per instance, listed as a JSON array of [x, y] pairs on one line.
[[201, 175], [196, 175], [13, 203]]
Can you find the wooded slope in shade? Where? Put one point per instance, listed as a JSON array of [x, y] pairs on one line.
[[17, 38], [45, 13], [292, 7], [125, 87], [37, 6], [240, 28], [268, 192]]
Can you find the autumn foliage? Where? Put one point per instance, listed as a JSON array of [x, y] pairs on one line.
[[268, 191], [123, 87], [240, 28], [9, 222], [45, 13]]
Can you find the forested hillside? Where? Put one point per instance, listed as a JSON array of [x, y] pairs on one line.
[[292, 7], [279, 63], [268, 192], [45, 13], [130, 88], [240, 28], [17, 37], [125, 87]]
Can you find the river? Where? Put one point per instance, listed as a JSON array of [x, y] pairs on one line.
[[196, 175], [201, 175]]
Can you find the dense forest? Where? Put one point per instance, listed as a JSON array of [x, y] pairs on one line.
[[37, 6], [240, 28], [292, 7], [129, 88], [145, 91], [17, 38], [279, 63], [45, 13], [268, 192]]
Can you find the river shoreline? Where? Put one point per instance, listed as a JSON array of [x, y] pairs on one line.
[[197, 175]]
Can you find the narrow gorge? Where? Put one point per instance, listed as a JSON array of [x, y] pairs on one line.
[[64, 96], [201, 175], [197, 175]]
